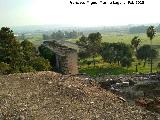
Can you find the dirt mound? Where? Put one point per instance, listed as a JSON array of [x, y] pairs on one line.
[[52, 96]]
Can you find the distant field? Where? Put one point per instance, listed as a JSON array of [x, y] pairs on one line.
[[107, 37], [104, 68], [126, 38], [36, 39]]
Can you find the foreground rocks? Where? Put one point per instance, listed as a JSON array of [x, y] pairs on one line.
[[52, 96]]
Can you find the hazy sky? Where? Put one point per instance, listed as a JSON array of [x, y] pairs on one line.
[[39, 12]]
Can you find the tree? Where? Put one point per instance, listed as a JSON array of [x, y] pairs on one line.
[[108, 53], [53, 35], [59, 35], [135, 42], [114, 52], [45, 37], [73, 34], [10, 51], [151, 34], [126, 62], [83, 42], [83, 54], [83, 45], [47, 54], [28, 49], [145, 53], [94, 44], [91, 44], [23, 36], [19, 57], [158, 67]]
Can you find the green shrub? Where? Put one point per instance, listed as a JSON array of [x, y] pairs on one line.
[[25, 69], [41, 64], [126, 62], [4, 68]]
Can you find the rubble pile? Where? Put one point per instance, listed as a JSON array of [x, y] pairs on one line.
[[150, 104], [52, 96]]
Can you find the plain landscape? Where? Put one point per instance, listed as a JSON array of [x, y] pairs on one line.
[[117, 78]]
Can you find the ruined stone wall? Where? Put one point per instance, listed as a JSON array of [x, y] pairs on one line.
[[66, 58], [72, 62]]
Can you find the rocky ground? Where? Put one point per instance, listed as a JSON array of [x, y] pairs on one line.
[[52, 96]]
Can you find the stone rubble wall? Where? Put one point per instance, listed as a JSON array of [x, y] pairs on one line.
[[67, 58], [72, 63]]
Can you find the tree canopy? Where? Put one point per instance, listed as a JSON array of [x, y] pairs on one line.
[[90, 45], [135, 42], [145, 52], [18, 57], [151, 32], [116, 52]]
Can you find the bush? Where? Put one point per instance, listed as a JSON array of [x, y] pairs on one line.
[[126, 62], [25, 69], [41, 64], [4, 68]]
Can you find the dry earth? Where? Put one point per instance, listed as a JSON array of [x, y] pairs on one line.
[[52, 96]]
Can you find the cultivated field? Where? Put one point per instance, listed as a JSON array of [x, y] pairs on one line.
[[126, 38]]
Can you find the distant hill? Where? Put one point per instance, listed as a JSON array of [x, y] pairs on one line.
[[102, 29], [41, 28]]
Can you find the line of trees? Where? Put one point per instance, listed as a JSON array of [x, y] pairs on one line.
[[92, 45], [59, 35]]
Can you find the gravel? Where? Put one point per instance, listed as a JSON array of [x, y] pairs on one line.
[[52, 96]]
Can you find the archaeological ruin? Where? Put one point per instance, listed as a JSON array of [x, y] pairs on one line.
[[66, 57]]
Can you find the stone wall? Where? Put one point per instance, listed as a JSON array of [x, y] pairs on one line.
[[72, 62], [66, 58]]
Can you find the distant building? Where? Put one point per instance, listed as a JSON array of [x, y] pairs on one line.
[[66, 57]]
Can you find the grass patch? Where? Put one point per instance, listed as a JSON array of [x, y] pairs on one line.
[[125, 38], [103, 68], [101, 71]]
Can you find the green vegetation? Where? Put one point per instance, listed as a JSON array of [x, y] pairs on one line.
[[60, 35], [119, 53], [103, 68], [36, 39], [100, 54], [47, 54], [151, 34], [19, 57], [145, 53], [118, 58], [90, 45], [126, 38]]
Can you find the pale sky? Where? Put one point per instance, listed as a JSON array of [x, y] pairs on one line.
[[40, 12]]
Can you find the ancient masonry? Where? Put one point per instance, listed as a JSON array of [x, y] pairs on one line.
[[66, 58]]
